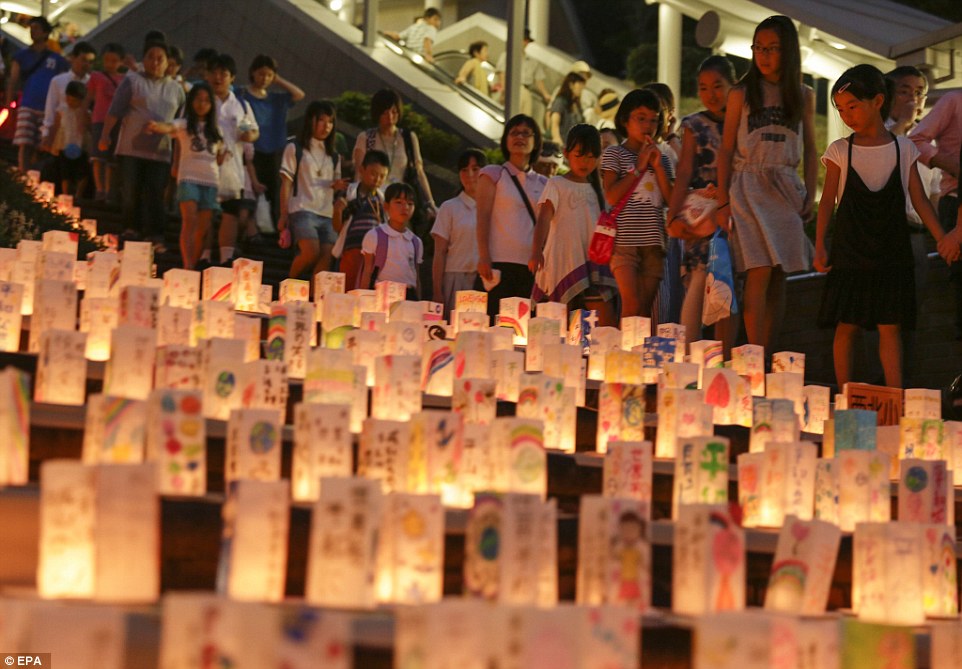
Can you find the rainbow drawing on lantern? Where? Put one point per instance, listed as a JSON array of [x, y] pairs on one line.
[[116, 444], [527, 445], [439, 359], [21, 401], [222, 294], [786, 584]]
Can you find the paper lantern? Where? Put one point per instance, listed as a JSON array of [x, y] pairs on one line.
[[11, 320], [216, 284], [701, 472], [614, 552], [707, 354], [386, 293], [343, 544], [953, 445], [926, 494], [518, 451], [475, 400], [510, 548], [138, 306], [863, 488], [437, 370], [418, 628], [61, 368], [751, 478], [469, 301], [627, 472], [803, 568], [816, 401], [322, 447], [477, 467], [567, 363], [472, 355], [410, 557], [372, 321], [54, 266], [786, 385], [888, 441], [290, 335], [621, 414], [634, 331], [365, 346], [263, 385], [253, 445], [826, 489], [772, 420], [506, 368], [383, 453], [923, 403], [246, 283], [212, 320], [67, 564], [514, 314], [178, 368], [114, 431], [173, 326], [681, 413], [406, 311], [542, 332], [656, 351], [130, 370], [854, 429], [940, 592], [603, 339], [55, 308], [541, 397], [708, 561], [471, 321], [680, 375], [294, 290], [403, 338], [946, 642], [176, 440], [253, 557], [15, 425], [103, 269], [729, 396], [248, 330], [676, 332], [340, 314], [136, 264], [788, 361], [24, 273], [92, 635], [181, 288], [438, 442], [326, 283], [397, 387], [887, 573], [922, 438], [330, 377], [624, 367], [749, 360], [581, 325]]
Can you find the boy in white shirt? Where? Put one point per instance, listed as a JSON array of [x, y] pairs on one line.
[[392, 252]]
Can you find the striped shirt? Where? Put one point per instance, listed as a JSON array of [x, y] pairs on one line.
[[642, 221]]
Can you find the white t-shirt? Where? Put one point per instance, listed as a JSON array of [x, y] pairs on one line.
[[415, 34], [198, 157], [512, 230], [314, 179], [403, 255], [232, 113], [56, 96], [457, 222], [874, 164]]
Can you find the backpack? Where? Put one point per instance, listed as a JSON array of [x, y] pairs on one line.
[[380, 251], [298, 154]]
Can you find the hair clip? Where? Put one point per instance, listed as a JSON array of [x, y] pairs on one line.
[[844, 86]]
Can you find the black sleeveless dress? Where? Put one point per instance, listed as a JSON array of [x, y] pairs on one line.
[[871, 282]]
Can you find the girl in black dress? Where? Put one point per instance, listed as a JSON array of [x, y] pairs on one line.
[[870, 281]]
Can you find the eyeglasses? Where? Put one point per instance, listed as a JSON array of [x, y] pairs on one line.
[[522, 134], [766, 50]]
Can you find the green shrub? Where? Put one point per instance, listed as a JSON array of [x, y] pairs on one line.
[[22, 217]]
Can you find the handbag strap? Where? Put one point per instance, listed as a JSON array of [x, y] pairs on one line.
[[624, 198], [524, 195]]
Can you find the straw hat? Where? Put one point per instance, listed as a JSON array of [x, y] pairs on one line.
[[608, 106]]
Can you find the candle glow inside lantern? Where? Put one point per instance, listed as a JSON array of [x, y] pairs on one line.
[[567, 363], [342, 556], [11, 318], [621, 414], [55, 308], [514, 313], [67, 563], [778, 483], [294, 290], [887, 573], [506, 368], [15, 425], [803, 568], [922, 438], [926, 494], [701, 472], [410, 557], [176, 441], [366, 346], [173, 326], [115, 430], [541, 397], [614, 552], [542, 332], [253, 557], [438, 441], [246, 283], [624, 367], [749, 360], [708, 561], [518, 450], [816, 400], [854, 429], [61, 368], [181, 288], [322, 447], [130, 370], [681, 413], [627, 472], [475, 400], [253, 445], [772, 420], [340, 314], [293, 330], [397, 387], [472, 355], [383, 453], [437, 370], [603, 339], [510, 548], [863, 488], [98, 318]]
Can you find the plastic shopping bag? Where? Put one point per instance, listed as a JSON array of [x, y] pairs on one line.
[[720, 284]]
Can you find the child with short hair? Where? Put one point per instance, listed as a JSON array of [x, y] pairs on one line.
[[69, 130], [360, 211], [392, 252], [100, 93]]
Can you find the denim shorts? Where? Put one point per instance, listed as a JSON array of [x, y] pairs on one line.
[[204, 196], [308, 225]]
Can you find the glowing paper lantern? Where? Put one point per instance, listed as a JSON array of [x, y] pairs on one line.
[[263, 385], [138, 306], [438, 441], [502, 339], [863, 488], [176, 441], [253, 557], [953, 445], [437, 368], [417, 629], [887, 573], [926, 494], [922, 438], [322, 447], [87, 634], [826, 489], [471, 321], [506, 368], [514, 314], [707, 354], [181, 288], [680, 375], [511, 549], [411, 549], [676, 332], [816, 401], [340, 314], [656, 351], [343, 544], [406, 311], [178, 368], [383, 453], [24, 273], [923, 403], [621, 414], [749, 360], [294, 290], [386, 293], [67, 565], [614, 552], [114, 431], [772, 420], [173, 326], [518, 450], [542, 332], [475, 400], [708, 561], [212, 320], [788, 361], [130, 370], [681, 413], [366, 346], [567, 363], [472, 355], [634, 331], [627, 472], [803, 568], [701, 472], [726, 393], [60, 241], [469, 301], [603, 339], [216, 284], [940, 592], [253, 445], [15, 426], [55, 266], [624, 367], [326, 283], [292, 330], [136, 263], [397, 387], [246, 283], [55, 308], [61, 368], [11, 320], [541, 397], [946, 640], [103, 270]]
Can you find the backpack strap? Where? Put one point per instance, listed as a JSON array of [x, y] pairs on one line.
[[380, 251], [298, 155], [370, 135]]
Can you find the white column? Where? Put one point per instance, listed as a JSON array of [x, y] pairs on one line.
[[512, 81], [347, 12], [433, 4], [669, 48], [100, 11], [370, 22], [539, 15]]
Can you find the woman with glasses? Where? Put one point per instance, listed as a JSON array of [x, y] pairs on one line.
[[769, 128], [507, 197]]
